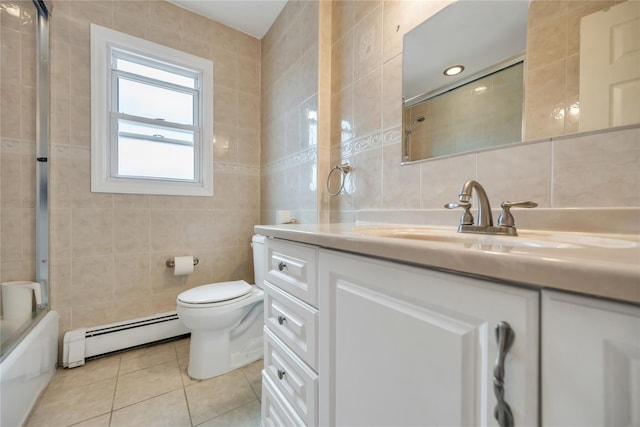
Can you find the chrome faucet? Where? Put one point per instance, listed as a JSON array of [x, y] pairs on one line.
[[506, 223], [485, 218]]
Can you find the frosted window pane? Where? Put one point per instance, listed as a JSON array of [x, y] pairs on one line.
[[139, 99], [155, 73], [151, 159]]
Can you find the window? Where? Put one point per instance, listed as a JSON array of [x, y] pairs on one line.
[[151, 117]]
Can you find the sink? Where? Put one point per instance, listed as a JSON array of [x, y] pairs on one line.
[[525, 239]]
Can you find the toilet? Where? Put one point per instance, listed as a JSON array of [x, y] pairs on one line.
[[225, 320]]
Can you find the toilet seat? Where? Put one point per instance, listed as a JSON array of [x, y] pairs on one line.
[[216, 293]]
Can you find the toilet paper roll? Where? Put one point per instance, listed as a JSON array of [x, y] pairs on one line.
[[183, 265]]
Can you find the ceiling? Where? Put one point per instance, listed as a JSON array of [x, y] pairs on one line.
[[253, 17]]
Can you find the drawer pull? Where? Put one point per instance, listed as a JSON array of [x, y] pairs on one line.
[[281, 319], [505, 337], [282, 265], [281, 374]]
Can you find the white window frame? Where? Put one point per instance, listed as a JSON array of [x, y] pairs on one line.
[[103, 133]]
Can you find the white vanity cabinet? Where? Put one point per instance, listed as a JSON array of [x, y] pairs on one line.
[[402, 345], [590, 361], [290, 379]]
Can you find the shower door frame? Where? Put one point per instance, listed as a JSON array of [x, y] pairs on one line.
[[42, 151]]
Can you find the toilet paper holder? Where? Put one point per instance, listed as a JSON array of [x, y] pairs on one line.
[[171, 263]]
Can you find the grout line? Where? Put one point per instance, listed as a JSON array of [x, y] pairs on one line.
[[115, 388]]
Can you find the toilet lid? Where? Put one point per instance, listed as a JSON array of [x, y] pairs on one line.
[[215, 292]]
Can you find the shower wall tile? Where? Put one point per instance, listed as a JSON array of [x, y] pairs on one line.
[[10, 114], [12, 241], [17, 146]]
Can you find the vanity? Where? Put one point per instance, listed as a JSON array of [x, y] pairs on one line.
[[388, 323]]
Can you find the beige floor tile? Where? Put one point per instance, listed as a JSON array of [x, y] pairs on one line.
[[184, 366], [244, 416], [91, 372], [211, 398], [253, 373], [182, 348], [167, 410], [59, 407], [143, 384], [148, 356], [101, 421]]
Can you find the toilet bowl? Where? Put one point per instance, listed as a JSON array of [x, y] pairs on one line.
[[225, 320]]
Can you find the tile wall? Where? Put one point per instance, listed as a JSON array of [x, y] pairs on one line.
[[108, 250], [599, 170], [290, 113]]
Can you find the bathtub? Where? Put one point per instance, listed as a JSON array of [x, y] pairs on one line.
[[27, 369]]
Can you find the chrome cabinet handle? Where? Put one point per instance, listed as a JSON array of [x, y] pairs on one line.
[[281, 319], [504, 337], [281, 374], [282, 265]]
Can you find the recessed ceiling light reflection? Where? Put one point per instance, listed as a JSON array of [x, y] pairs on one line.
[[453, 70]]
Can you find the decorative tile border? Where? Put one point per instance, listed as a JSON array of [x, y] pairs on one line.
[[236, 168], [310, 154], [347, 149], [369, 142]]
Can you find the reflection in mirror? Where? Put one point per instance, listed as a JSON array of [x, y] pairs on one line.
[[557, 86], [484, 113], [479, 107]]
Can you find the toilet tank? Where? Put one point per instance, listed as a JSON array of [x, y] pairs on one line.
[[259, 259]]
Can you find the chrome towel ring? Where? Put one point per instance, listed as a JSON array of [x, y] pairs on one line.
[[344, 169]]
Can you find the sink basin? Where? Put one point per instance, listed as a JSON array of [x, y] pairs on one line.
[[526, 238]]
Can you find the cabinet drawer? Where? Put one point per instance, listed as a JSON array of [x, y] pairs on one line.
[[293, 378], [276, 412], [293, 321], [292, 267]]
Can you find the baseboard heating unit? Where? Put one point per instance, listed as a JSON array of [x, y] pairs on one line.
[[85, 343]]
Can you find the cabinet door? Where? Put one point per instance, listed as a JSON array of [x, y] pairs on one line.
[[590, 362], [408, 346]]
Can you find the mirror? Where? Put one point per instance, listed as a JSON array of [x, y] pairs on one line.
[[560, 97]]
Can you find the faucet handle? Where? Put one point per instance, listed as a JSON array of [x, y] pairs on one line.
[[467, 217], [506, 217]]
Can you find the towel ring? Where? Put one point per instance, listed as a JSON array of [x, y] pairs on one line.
[[344, 168]]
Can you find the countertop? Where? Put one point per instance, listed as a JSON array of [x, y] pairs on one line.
[[610, 272]]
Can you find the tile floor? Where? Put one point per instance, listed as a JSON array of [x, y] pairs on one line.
[[149, 387]]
